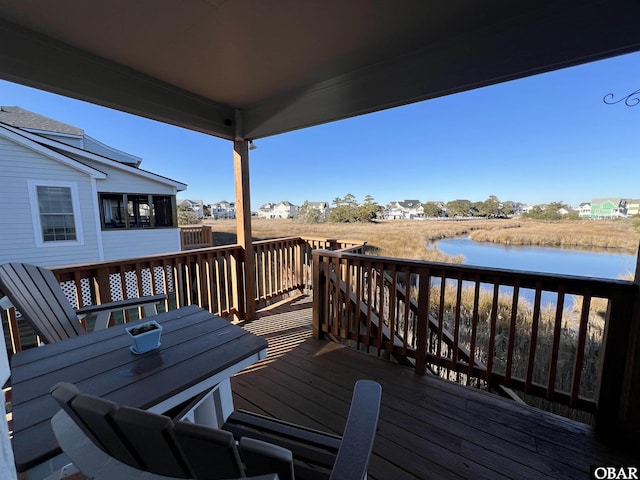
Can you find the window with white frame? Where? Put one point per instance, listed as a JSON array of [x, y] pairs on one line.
[[55, 213]]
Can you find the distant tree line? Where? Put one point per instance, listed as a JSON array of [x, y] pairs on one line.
[[309, 214], [492, 207], [348, 210], [345, 210], [552, 211]]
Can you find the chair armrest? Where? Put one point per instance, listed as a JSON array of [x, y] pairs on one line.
[[261, 458], [121, 304], [359, 433], [5, 303], [308, 445]]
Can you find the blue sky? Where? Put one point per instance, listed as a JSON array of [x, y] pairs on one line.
[[540, 139]]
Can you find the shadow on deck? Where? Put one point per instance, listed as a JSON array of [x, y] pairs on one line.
[[428, 428]]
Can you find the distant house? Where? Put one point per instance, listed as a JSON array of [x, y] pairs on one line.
[[223, 209], [282, 209], [440, 205], [526, 209], [633, 207], [516, 207], [584, 210], [68, 198], [196, 206], [404, 210], [322, 207], [608, 208]]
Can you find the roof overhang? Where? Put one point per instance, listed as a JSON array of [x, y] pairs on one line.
[[248, 69]]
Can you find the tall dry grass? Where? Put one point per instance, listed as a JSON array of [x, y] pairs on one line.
[[579, 233], [412, 239], [568, 341]]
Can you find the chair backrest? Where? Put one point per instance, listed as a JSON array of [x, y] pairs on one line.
[[150, 438], [154, 443], [36, 294], [199, 442], [64, 393]]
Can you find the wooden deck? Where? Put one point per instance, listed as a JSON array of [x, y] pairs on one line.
[[428, 428]]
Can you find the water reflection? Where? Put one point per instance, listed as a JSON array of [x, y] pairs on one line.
[[565, 261], [562, 261]]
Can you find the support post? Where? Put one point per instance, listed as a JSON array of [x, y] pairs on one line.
[[631, 382], [618, 416], [243, 223]]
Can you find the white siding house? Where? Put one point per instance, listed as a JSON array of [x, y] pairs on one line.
[[64, 205], [223, 209], [322, 207], [584, 210], [633, 207], [278, 210], [196, 206], [405, 210]]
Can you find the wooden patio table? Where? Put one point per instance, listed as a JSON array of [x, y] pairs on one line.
[[198, 353]]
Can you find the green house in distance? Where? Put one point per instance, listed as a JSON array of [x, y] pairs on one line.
[[608, 208]]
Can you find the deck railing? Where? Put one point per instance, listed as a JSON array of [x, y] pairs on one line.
[[195, 237], [542, 335], [480, 326], [212, 278]]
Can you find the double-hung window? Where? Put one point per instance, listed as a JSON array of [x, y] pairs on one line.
[[55, 213]]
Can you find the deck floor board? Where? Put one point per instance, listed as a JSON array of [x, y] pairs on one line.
[[428, 428]]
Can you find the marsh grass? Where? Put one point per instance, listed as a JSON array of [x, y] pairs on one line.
[[579, 233], [568, 339], [413, 239]]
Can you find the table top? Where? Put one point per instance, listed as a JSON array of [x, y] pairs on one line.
[[195, 347]]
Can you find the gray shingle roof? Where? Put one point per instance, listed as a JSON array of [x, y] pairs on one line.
[[21, 118]]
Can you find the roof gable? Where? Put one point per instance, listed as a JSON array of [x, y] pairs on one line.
[[61, 132], [11, 134], [64, 152]]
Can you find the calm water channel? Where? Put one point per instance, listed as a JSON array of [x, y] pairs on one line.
[[541, 259]]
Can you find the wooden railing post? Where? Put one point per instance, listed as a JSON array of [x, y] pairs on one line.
[[102, 287], [423, 320], [319, 297], [618, 415], [299, 267]]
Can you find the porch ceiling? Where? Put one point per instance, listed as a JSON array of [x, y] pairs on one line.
[[247, 69]]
